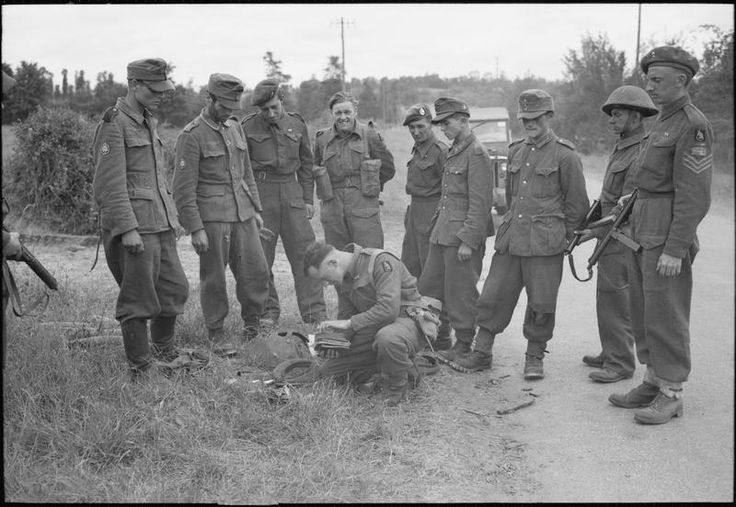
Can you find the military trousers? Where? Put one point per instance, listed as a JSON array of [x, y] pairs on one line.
[[614, 311], [388, 349], [152, 282], [540, 275], [660, 315], [454, 283], [351, 217], [236, 244], [284, 213], [417, 227]]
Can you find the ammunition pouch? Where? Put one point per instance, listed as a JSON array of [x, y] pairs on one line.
[[370, 183]]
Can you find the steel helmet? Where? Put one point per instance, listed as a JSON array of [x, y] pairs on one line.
[[630, 97]]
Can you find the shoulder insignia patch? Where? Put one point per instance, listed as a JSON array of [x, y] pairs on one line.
[[386, 265], [319, 133], [105, 149], [182, 164], [110, 113], [699, 135], [697, 165], [565, 142]]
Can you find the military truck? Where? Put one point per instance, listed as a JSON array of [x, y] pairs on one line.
[[491, 126]]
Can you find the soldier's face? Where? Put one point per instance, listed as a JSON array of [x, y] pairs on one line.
[[623, 121], [537, 127], [420, 130], [665, 84], [451, 127], [329, 272], [272, 110], [220, 112], [147, 97], [343, 116]]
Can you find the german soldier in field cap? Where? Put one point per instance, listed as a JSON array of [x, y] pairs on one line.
[[674, 178], [546, 189], [219, 205], [462, 222], [138, 217], [354, 159], [424, 185], [281, 157], [627, 106]]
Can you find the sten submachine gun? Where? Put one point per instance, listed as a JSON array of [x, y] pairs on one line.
[[26, 256], [593, 220]]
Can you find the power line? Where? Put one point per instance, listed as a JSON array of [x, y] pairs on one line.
[[342, 41]]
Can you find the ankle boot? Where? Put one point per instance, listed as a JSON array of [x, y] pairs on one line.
[[461, 347], [135, 342]]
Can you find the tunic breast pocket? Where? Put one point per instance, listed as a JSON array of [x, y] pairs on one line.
[[660, 153], [615, 178], [457, 180], [261, 147], [546, 181], [290, 143], [138, 149], [213, 161]]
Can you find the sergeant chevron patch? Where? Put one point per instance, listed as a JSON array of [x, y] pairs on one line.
[[697, 165]]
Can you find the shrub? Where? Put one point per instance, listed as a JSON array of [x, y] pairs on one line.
[[51, 170]]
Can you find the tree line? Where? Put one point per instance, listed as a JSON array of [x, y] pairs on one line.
[[592, 71]]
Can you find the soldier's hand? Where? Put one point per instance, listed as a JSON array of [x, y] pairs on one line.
[[200, 243], [329, 354], [259, 221], [132, 241], [13, 249], [464, 252], [334, 324], [310, 211], [668, 265], [179, 231]]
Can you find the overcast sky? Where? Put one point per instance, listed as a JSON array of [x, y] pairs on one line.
[[380, 39]]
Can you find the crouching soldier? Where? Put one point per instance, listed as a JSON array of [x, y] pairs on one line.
[[376, 296]]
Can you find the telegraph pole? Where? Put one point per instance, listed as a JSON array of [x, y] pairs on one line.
[[342, 42], [638, 36]]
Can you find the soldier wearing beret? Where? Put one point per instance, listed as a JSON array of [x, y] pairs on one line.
[[546, 189], [376, 295], [424, 185], [138, 217], [219, 205], [674, 178], [357, 164], [626, 106], [462, 222], [281, 157]]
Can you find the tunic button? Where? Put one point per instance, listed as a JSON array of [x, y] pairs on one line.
[[522, 197], [524, 182], [519, 216], [527, 164]]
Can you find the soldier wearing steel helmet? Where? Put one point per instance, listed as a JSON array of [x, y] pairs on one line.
[[281, 156], [626, 106], [546, 189], [219, 204], [674, 174]]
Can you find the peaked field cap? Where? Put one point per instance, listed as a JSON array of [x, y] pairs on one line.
[[670, 56], [417, 112], [264, 91], [534, 103], [445, 107], [630, 97], [153, 72], [227, 89]]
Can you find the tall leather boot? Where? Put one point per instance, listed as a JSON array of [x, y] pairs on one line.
[[135, 342], [162, 337], [463, 342]]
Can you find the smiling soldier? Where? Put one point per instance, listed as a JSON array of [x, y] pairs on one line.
[[546, 189], [355, 160]]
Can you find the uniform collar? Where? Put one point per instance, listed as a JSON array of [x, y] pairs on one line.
[[424, 147], [137, 116], [356, 130], [671, 108], [541, 142], [458, 147], [356, 250], [633, 138], [211, 123]]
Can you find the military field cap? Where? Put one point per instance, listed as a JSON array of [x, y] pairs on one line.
[[417, 112], [630, 97], [447, 106], [430, 303], [670, 56], [227, 89], [8, 82], [534, 103], [152, 71], [264, 91]]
